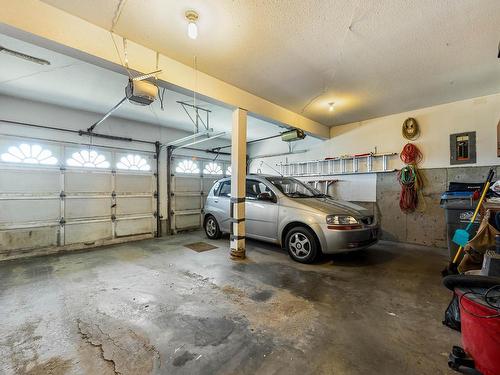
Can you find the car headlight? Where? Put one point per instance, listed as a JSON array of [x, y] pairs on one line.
[[340, 220]]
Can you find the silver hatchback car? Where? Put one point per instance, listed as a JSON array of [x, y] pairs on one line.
[[285, 211]]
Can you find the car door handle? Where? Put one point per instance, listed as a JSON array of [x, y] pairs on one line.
[[216, 200]]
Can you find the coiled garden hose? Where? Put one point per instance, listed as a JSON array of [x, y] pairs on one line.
[[409, 178]]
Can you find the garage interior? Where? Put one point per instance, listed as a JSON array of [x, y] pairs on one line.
[[120, 122]]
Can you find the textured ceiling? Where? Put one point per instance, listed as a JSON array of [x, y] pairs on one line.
[[72, 83], [371, 57]]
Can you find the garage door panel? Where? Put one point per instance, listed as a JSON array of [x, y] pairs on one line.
[[87, 207], [34, 182], [131, 227], [134, 206], [187, 203], [187, 184], [34, 214], [21, 239], [187, 221], [208, 183], [191, 189], [87, 232], [28, 210], [134, 183], [87, 182]]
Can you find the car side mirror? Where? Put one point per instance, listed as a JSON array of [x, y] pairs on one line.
[[265, 196]]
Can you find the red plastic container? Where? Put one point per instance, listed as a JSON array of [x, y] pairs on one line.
[[480, 335]]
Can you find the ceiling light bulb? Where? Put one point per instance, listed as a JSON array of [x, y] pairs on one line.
[[192, 17], [192, 30], [331, 108]]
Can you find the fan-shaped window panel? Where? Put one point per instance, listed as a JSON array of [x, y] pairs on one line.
[[29, 154], [133, 163], [87, 159], [187, 166], [212, 168]]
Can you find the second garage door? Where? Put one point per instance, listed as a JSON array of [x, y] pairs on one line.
[[190, 181]]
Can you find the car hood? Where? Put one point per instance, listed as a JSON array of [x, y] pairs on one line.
[[332, 206]]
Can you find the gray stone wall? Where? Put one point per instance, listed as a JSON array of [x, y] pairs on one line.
[[427, 225]]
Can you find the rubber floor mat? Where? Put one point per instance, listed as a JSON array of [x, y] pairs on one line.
[[200, 246]]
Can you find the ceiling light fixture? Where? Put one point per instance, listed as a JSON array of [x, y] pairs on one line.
[[331, 107], [192, 18]]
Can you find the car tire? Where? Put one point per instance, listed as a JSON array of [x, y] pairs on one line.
[[212, 229], [302, 245]]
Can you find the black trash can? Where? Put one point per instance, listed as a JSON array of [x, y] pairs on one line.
[[459, 208]]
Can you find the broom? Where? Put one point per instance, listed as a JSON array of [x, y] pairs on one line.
[[461, 236]]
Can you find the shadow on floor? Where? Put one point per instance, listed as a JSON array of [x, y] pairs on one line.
[[363, 258]]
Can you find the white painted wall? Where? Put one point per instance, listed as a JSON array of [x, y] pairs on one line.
[[22, 110], [436, 124]]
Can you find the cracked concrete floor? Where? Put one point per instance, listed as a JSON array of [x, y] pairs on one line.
[[156, 307]]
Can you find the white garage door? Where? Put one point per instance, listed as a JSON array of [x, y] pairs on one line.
[[55, 195], [190, 181]]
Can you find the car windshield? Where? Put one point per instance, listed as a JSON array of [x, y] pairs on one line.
[[294, 188]]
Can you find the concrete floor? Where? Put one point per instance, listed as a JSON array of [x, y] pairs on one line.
[[157, 307]]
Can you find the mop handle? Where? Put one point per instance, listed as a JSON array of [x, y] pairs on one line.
[[485, 190], [459, 251], [476, 211]]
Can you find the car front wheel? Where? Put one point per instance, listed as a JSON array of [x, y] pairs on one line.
[[212, 229], [301, 244]]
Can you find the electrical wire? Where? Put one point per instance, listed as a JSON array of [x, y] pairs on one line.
[[118, 13], [125, 53], [497, 297], [411, 154], [129, 73], [486, 298], [410, 179], [161, 97], [195, 71], [216, 156], [158, 122], [407, 177], [50, 70]]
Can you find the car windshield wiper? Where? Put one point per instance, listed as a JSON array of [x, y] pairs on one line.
[[321, 196]]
